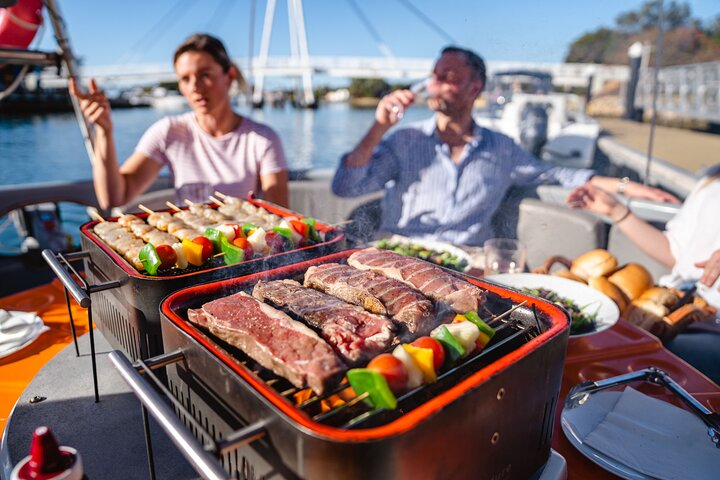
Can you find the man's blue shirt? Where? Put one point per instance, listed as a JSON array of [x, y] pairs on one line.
[[428, 195]]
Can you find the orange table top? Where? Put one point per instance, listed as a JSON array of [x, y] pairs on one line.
[[18, 369], [621, 349]]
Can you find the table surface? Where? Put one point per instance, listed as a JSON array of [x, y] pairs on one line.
[[621, 349]]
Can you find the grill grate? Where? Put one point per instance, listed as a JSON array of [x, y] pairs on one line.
[[514, 325]]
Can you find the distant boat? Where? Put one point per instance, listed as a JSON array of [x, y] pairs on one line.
[[551, 125], [168, 100]]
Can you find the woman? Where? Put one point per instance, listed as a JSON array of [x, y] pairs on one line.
[[211, 148], [690, 246]]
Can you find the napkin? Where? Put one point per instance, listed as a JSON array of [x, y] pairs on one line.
[[17, 329], [656, 438]]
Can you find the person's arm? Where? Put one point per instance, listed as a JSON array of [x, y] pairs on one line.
[[649, 239], [386, 115], [633, 189], [114, 185], [275, 187]]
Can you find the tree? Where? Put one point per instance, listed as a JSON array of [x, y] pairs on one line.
[[674, 15], [368, 87], [593, 47]]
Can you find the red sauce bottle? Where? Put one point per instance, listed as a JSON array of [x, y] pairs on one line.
[[48, 460]]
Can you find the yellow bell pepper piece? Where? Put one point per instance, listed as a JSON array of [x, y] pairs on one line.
[[423, 358], [459, 318], [193, 252]]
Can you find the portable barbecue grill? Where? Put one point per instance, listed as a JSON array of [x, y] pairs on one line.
[[126, 304], [489, 417]]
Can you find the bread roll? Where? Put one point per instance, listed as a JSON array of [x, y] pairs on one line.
[[603, 285], [569, 275], [664, 296], [633, 279], [647, 315], [595, 263]]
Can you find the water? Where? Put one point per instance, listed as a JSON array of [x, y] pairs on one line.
[[45, 148]]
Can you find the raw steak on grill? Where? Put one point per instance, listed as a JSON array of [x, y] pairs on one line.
[[354, 333], [431, 280], [376, 293], [271, 338]]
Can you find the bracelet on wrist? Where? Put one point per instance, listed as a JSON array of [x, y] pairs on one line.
[[622, 183], [624, 216]]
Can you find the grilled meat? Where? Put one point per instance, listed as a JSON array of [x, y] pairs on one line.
[[432, 281], [271, 338], [355, 334], [376, 293]]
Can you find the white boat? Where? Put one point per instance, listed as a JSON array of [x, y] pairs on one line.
[[551, 125]]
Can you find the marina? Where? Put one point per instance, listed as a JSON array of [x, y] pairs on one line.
[[169, 338]]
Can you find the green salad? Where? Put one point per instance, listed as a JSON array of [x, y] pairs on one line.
[[442, 258], [581, 322]]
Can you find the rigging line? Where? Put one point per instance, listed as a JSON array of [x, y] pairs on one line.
[[220, 15], [384, 49], [428, 21], [164, 24]]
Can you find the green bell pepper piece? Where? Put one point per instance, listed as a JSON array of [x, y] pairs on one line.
[[215, 236], [247, 226], [484, 327], [232, 253], [313, 235], [150, 259], [453, 348], [287, 236], [368, 381]]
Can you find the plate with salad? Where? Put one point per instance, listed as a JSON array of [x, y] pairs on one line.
[[441, 253], [590, 311]]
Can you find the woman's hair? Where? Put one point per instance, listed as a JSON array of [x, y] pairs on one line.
[[202, 42]]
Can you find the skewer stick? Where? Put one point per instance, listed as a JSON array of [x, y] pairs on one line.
[[218, 254], [189, 203], [339, 224], [95, 214], [221, 195], [216, 200], [173, 206], [505, 314], [145, 209]]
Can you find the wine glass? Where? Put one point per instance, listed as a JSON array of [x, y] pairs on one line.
[[420, 89]]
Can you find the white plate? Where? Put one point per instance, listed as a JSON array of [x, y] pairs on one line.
[[584, 296], [19, 329], [573, 421], [431, 245]]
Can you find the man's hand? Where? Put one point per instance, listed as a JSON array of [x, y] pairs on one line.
[[638, 190], [392, 107], [94, 104], [711, 269]]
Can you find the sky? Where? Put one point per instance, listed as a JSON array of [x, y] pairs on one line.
[[147, 31]]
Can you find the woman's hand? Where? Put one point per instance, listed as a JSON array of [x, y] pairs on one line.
[[597, 200], [711, 269], [392, 107], [94, 104], [638, 190]]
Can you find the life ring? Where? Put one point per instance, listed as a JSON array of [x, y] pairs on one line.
[[20, 23]]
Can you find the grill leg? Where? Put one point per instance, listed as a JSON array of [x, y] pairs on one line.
[[148, 442], [72, 322], [92, 355]]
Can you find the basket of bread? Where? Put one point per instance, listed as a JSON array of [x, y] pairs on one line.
[[661, 311]]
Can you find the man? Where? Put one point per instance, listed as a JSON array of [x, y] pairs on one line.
[[444, 178]]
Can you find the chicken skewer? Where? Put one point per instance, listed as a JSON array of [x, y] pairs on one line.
[[174, 226]]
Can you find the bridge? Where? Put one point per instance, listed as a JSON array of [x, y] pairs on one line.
[[565, 75]]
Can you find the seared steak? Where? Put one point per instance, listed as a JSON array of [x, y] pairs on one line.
[[272, 339], [431, 280], [376, 293], [355, 334]]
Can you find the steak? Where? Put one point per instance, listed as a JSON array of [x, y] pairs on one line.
[[376, 293], [272, 339], [355, 334], [432, 281]]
